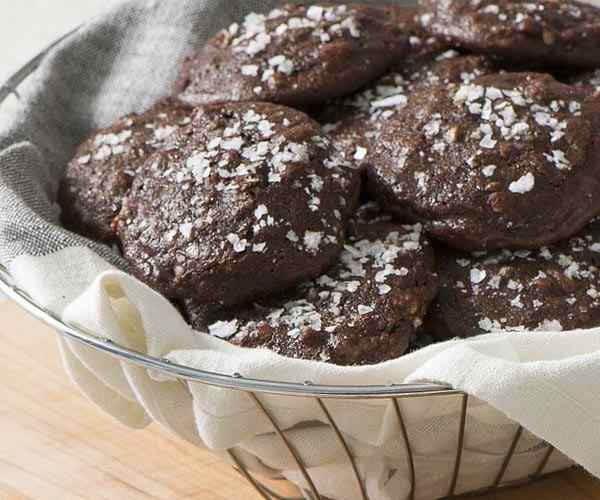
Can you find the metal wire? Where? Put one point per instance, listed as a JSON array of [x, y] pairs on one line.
[[287, 444], [363, 491], [233, 381], [11, 85], [540, 470], [460, 444], [255, 387], [508, 457], [244, 472], [409, 453]]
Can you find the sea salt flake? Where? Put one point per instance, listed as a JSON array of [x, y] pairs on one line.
[[186, 229], [593, 293], [542, 118], [103, 153], [516, 302], [491, 9], [388, 102], [282, 64], [489, 170], [523, 185], [163, 133], [402, 157], [312, 240], [574, 107], [362, 309], [239, 245], [361, 153], [234, 144], [559, 159], [488, 142], [223, 329], [550, 326], [421, 178], [259, 247], [258, 44], [315, 13], [432, 128], [260, 212], [487, 325], [84, 160], [493, 93], [477, 275], [350, 24], [250, 70], [468, 93], [449, 54]]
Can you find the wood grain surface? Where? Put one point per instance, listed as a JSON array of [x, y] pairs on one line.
[[56, 445]]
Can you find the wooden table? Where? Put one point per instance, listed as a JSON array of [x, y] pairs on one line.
[[55, 445]]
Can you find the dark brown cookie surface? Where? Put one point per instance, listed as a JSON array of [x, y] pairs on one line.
[[364, 310], [556, 288], [252, 203], [422, 45], [296, 55], [555, 32], [591, 78], [105, 165], [355, 123], [508, 161]]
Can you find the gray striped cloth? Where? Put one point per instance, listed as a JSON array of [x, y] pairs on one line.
[[116, 64]]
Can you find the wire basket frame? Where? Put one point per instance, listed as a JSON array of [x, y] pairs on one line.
[[254, 389]]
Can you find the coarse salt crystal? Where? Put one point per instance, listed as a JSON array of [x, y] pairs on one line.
[[489, 170], [261, 211], [395, 100], [312, 240], [223, 329], [477, 276], [362, 309], [360, 154], [84, 160], [238, 244], [186, 230], [250, 70], [523, 185]]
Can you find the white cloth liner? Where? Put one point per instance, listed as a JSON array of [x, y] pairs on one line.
[[547, 382]]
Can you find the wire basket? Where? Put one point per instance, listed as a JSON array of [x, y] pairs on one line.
[[398, 395]]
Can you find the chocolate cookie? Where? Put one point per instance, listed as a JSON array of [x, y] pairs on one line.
[[555, 288], [104, 166], [558, 33], [450, 67], [423, 46], [253, 202], [354, 123], [295, 55], [365, 310], [508, 161]]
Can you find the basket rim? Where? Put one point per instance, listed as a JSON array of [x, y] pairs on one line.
[[231, 381]]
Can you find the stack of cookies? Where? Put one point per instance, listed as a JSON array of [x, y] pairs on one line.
[[335, 182]]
